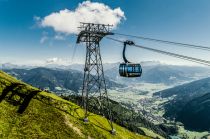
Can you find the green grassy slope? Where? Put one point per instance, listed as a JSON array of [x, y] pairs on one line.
[[47, 115]]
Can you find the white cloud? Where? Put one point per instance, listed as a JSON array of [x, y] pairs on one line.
[[37, 18], [43, 39], [67, 21], [53, 60], [59, 37], [56, 60]]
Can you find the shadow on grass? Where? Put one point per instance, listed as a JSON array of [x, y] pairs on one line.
[[60, 105], [100, 125], [69, 109], [18, 94], [15, 95]]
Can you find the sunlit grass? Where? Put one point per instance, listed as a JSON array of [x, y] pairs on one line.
[[49, 116]]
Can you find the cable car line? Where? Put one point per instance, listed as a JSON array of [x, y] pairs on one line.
[[200, 61], [167, 42], [192, 59]]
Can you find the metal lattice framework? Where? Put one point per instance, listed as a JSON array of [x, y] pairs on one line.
[[94, 91]]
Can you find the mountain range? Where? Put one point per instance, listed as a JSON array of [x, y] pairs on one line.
[[190, 104], [56, 80], [153, 72]]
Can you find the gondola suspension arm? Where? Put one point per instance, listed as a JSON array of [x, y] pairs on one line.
[[125, 44]]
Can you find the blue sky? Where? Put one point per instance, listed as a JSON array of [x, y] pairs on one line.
[[22, 41]]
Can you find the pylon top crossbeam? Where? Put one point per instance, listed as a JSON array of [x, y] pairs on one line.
[[93, 32]]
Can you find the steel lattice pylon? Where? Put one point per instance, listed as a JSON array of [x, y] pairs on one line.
[[94, 91]]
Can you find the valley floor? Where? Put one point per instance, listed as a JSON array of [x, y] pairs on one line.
[[139, 97]]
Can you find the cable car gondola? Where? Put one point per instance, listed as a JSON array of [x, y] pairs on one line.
[[128, 69]]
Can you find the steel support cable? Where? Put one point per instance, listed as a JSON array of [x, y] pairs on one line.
[[167, 42], [73, 54], [192, 59], [71, 62]]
